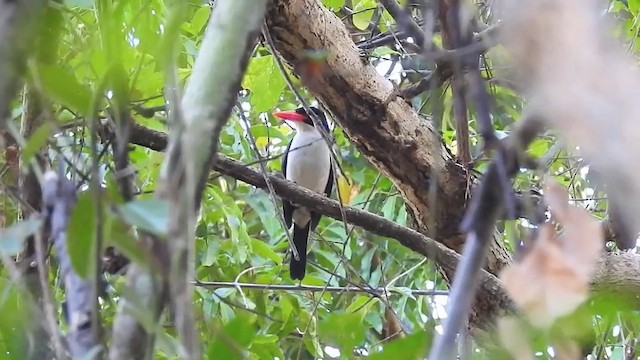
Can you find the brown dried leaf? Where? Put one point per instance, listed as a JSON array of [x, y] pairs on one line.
[[553, 278], [582, 235]]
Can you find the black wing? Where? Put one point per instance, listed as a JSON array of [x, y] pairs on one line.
[[315, 218], [287, 207], [329, 187]]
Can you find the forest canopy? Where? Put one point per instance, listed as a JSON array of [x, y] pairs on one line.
[[478, 196]]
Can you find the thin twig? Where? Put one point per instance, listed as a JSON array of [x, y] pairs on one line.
[[333, 289], [373, 223], [96, 193]]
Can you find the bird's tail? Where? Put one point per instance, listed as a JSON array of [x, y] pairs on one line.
[[297, 268]]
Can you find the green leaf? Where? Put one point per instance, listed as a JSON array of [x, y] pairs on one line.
[[265, 339], [286, 308], [233, 214], [212, 250], [264, 251], [15, 315], [389, 208], [267, 351], [63, 87], [383, 50], [365, 263], [12, 238], [333, 4], [362, 16], [199, 19], [262, 205], [80, 235], [120, 237], [411, 347], [264, 80], [150, 215], [236, 337], [36, 141], [262, 130], [351, 331], [402, 215], [361, 305]]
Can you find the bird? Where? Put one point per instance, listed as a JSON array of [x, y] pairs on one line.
[[306, 162]]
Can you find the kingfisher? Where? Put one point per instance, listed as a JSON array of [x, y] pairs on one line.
[[306, 162]]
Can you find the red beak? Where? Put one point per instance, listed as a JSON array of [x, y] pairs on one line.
[[290, 115]]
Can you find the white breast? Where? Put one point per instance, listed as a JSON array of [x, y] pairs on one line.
[[309, 160]]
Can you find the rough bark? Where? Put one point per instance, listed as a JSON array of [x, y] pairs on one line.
[[399, 142], [618, 273]]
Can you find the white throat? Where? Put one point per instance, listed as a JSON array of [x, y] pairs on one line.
[[308, 164]]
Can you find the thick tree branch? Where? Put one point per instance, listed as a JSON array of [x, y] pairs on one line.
[[209, 97], [59, 198]]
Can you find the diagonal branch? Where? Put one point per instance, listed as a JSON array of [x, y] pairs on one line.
[[616, 273], [376, 224]]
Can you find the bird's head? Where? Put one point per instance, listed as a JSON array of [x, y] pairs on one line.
[[299, 116]]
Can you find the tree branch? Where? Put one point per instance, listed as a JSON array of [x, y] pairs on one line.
[[208, 100], [405, 21], [59, 197], [338, 289], [376, 224]]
